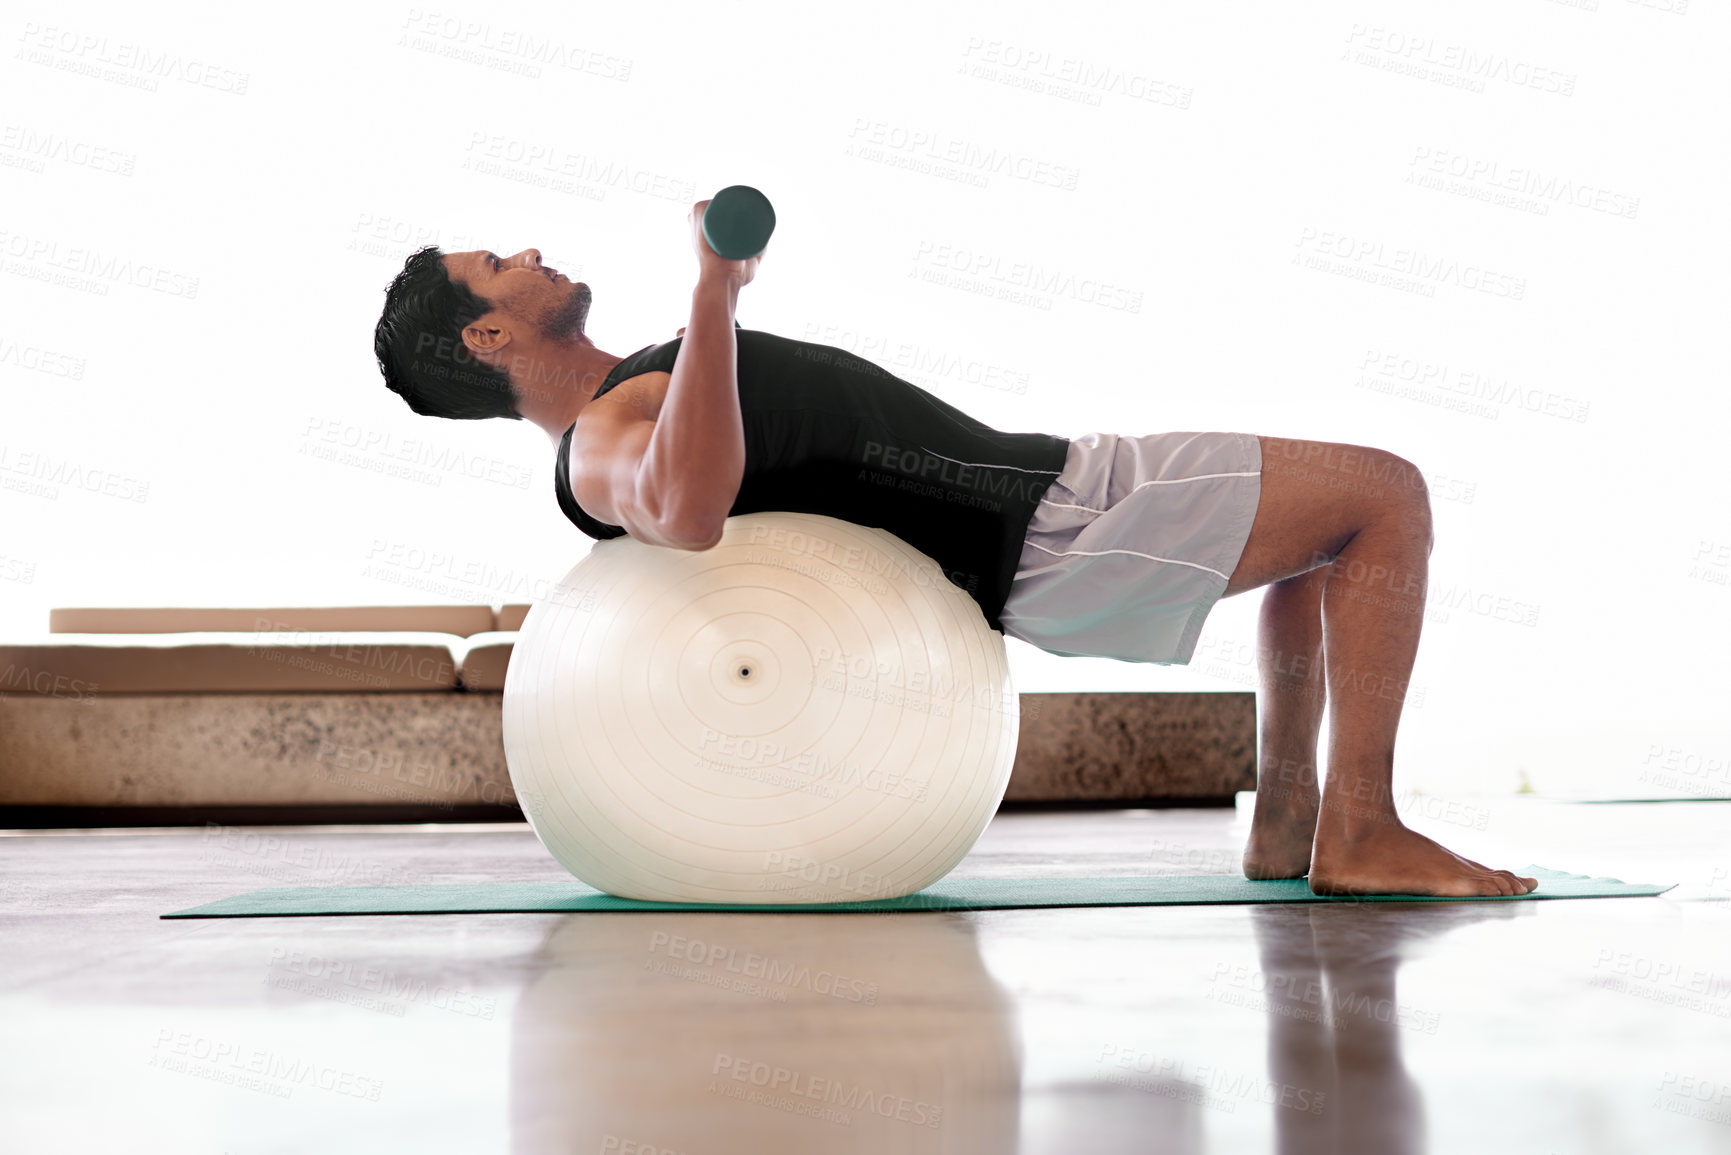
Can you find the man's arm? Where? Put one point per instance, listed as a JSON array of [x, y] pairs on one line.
[[695, 457], [670, 479], [694, 462]]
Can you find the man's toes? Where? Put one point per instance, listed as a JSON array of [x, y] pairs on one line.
[[1490, 883]]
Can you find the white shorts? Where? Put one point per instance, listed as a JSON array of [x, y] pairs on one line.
[[1133, 544]]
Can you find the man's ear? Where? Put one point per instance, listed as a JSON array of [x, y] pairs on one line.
[[480, 339]]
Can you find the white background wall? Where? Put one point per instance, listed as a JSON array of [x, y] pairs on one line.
[[1489, 236]]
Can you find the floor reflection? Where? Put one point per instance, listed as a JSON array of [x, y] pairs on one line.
[[748, 1033], [722, 1033], [1336, 1023]]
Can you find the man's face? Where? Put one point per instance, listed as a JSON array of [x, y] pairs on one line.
[[524, 290]]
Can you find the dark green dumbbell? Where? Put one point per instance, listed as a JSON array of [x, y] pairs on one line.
[[737, 222]]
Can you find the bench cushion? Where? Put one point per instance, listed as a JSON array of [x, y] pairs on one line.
[[90, 665], [510, 617], [484, 661], [458, 619]]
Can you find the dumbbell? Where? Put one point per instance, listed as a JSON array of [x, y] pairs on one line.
[[737, 222]]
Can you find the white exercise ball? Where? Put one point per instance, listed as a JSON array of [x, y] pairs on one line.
[[810, 711]]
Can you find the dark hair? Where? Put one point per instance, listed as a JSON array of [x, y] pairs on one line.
[[419, 344]]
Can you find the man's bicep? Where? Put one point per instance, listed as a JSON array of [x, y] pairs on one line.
[[605, 475]]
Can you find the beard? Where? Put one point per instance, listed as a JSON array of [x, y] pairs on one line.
[[566, 321]]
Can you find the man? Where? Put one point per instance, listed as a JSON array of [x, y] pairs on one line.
[[1107, 545]]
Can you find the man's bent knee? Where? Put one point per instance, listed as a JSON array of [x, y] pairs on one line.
[[1316, 497], [1408, 496]]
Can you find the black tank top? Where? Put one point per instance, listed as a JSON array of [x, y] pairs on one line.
[[831, 433]]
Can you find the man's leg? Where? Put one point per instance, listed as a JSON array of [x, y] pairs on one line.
[[1290, 704], [1367, 512]]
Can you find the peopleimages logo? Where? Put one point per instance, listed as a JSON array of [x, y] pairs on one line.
[[860, 559], [921, 463], [50, 473], [748, 964], [779, 762], [819, 875], [257, 1068], [801, 1092]]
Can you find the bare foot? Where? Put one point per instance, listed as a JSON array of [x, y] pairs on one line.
[[1384, 857], [1282, 828]]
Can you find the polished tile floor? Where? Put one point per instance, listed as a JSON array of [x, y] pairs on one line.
[[1533, 1027]]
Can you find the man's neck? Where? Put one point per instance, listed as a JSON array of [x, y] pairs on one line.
[[567, 381]]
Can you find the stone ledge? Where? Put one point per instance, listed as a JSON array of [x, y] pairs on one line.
[[445, 749], [1134, 746]]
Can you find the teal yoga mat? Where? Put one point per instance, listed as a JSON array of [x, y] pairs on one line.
[[958, 894]]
